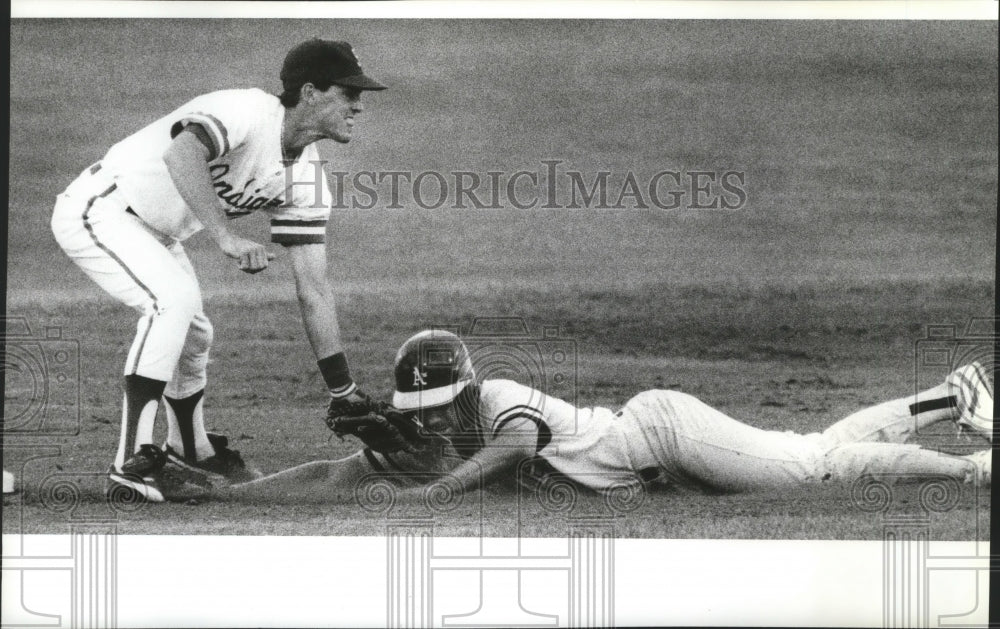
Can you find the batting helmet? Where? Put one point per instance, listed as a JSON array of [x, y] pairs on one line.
[[431, 368]]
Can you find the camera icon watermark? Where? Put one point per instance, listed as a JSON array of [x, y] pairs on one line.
[[504, 348], [42, 380]]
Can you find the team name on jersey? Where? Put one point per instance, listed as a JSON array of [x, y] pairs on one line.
[[244, 201]]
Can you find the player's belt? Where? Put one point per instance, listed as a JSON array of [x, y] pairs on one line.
[[96, 168]]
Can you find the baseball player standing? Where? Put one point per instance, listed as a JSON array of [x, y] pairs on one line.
[[220, 156]]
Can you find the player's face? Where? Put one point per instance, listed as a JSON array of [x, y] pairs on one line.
[[441, 419], [335, 111]]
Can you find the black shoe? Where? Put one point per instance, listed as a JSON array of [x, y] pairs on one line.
[[137, 480], [225, 465]]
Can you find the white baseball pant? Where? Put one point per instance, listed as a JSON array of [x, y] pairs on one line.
[[143, 269], [695, 445]]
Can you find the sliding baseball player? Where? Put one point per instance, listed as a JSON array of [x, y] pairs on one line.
[[473, 432]]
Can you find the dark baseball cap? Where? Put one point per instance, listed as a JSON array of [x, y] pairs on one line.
[[317, 59]]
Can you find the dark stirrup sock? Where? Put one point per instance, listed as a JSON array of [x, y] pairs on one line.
[[184, 409], [139, 392]]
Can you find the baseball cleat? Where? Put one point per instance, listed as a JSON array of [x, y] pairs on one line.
[[983, 461], [226, 466], [181, 484], [137, 478], [974, 393]]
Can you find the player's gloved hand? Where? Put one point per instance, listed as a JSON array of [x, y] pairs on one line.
[[387, 432], [354, 405], [253, 257]]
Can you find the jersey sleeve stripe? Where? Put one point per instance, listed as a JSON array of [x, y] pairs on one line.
[[298, 229], [288, 232], [505, 418], [298, 239], [523, 408], [222, 130], [218, 143], [530, 412], [278, 222], [217, 130], [199, 130], [544, 433]]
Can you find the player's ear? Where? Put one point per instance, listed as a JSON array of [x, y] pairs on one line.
[[306, 91]]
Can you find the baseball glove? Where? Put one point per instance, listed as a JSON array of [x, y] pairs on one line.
[[387, 432]]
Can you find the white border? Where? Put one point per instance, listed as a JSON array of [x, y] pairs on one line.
[[227, 581], [549, 9]]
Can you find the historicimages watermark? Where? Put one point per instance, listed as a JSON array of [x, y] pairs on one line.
[[550, 186]]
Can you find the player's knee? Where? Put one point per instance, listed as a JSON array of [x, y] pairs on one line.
[[183, 302], [202, 334]]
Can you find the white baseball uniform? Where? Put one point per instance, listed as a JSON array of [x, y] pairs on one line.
[[674, 438], [123, 220]]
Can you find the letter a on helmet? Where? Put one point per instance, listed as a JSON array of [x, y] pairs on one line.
[[431, 369]]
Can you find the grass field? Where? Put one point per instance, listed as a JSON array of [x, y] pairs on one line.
[[871, 170]]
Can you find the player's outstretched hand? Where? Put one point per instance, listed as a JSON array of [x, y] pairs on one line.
[[252, 256]]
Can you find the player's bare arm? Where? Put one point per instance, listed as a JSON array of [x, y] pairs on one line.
[[335, 482], [322, 482], [500, 458], [319, 318], [315, 296], [187, 162]]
